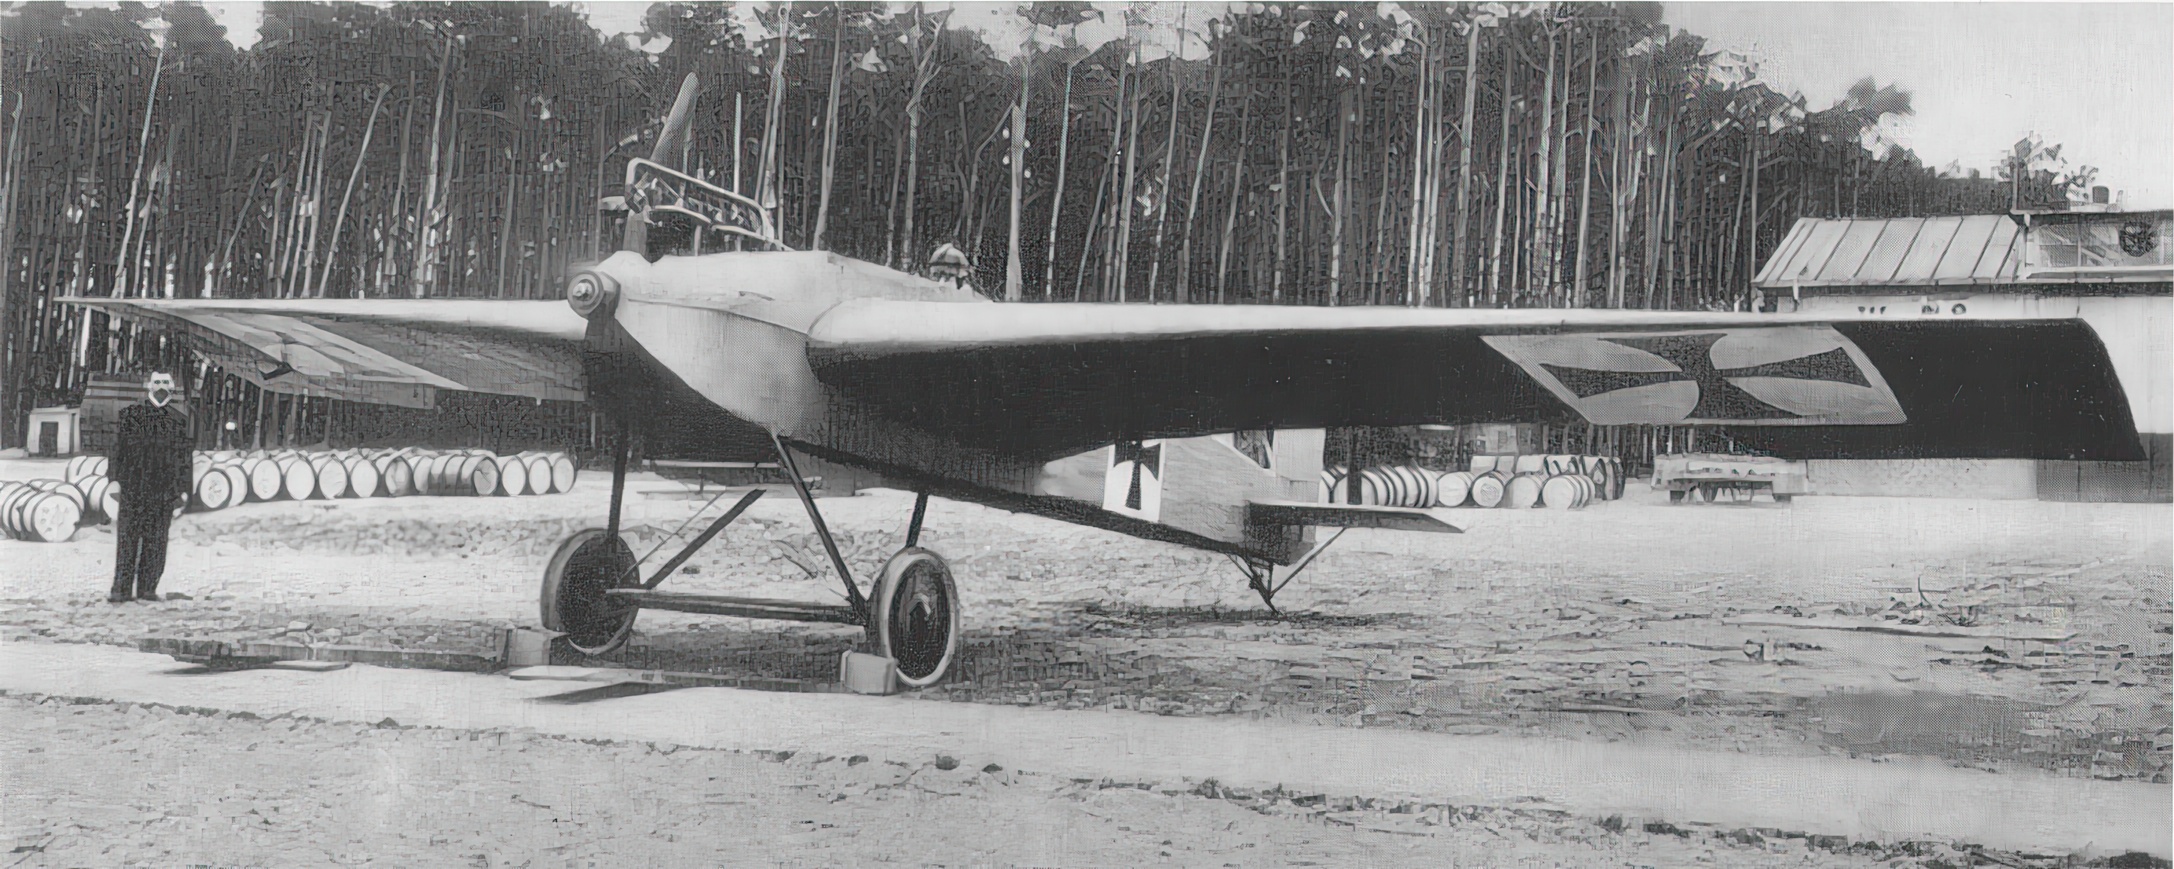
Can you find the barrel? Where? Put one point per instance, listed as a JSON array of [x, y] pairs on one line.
[[1373, 487], [1423, 487], [265, 478], [42, 514], [540, 472], [9, 492], [1534, 464], [298, 481], [1565, 491], [419, 464], [1596, 471], [1482, 464], [563, 472], [237, 481], [63, 488], [464, 475], [363, 480], [1453, 489], [398, 476], [93, 489], [331, 475], [1488, 489], [100, 465], [75, 468], [1522, 491], [1615, 478], [214, 490], [512, 476]]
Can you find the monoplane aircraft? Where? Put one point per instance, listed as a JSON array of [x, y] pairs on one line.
[[1198, 425]]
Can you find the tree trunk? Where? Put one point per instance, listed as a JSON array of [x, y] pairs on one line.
[[1416, 290], [1012, 278], [387, 270], [1461, 217], [1585, 175], [1169, 176], [1336, 215], [830, 132], [429, 210], [1502, 187], [1283, 199], [361, 153], [1237, 193], [1056, 205], [1123, 239], [317, 206], [123, 268], [766, 187], [924, 70], [1192, 200], [1539, 273]]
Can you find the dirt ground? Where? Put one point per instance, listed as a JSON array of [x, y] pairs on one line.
[[102, 784], [1609, 624]]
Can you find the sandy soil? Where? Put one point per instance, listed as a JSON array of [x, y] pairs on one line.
[[117, 784], [1531, 623], [1609, 624]]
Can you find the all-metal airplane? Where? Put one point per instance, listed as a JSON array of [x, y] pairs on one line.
[[1192, 424]]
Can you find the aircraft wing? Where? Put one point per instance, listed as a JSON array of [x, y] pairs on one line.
[[1046, 380], [393, 351]]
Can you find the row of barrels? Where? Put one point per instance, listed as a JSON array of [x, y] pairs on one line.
[[226, 478], [1567, 487], [48, 511]]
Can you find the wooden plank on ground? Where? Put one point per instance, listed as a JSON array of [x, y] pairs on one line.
[[616, 675], [2006, 632], [264, 652]]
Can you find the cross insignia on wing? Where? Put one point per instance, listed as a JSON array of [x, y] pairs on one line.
[[1717, 397], [1756, 375]]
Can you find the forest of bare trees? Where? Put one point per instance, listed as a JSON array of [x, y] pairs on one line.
[[1487, 155]]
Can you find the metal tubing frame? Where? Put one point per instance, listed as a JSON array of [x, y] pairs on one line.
[[1261, 576], [853, 594], [920, 511], [622, 445], [709, 533]]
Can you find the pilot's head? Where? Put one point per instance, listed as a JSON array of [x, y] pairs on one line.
[[949, 263], [159, 387]]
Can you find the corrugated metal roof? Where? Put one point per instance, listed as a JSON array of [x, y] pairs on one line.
[[1905, 251]]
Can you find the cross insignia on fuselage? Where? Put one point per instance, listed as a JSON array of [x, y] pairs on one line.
[[1144, 459], [1717, 397]]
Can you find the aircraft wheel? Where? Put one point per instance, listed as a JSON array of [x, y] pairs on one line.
[[585, 565], [915, 616]]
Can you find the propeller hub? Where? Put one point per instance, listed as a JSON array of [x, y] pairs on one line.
[[591, 294]]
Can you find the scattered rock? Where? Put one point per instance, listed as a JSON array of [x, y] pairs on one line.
[[297, 627], [946, 762]]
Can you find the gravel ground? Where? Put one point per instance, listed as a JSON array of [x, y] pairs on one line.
[[1606, 624], [92, 783]]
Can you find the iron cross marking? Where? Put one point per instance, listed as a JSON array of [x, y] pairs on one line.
[[1139, 456], [1717, 397]]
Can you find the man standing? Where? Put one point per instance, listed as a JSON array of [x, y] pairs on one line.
[[151, 467]]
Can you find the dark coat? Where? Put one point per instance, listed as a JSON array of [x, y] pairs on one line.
[[151, 453]]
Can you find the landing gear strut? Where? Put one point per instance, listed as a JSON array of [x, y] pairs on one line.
[[593, 588], [1261, 575]]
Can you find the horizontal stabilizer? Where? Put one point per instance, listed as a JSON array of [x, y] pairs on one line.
[[1346, 516]]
